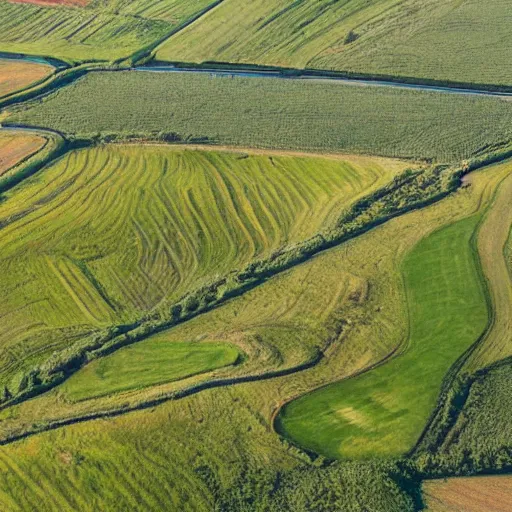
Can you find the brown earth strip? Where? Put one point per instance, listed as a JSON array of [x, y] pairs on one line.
[[473, 494], [16, 147], [17, 74]]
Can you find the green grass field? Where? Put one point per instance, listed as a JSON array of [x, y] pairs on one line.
[[154, 362], [383, 412], [104, 235], [302, 115], [101, 31], [443, 40]]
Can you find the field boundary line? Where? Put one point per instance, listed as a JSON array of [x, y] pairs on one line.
[[147, 53]]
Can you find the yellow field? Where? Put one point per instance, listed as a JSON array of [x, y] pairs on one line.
[[492, 245], [14, 147], [475, 494], [15, 75]]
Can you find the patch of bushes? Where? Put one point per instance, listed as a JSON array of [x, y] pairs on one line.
[[472, 432], [350, 37]]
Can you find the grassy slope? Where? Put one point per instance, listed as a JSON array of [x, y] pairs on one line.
[[491, 493], [444, 40], [356, 407], [155, 362], [98, 32], [173, 11], [277, 114], [278, 325], [109, 233], [492, 244], [187, 458], [15, 147], [383, 412], [196, 450], [16, 75]]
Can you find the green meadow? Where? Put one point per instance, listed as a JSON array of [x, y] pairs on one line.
[[98, 31], [382, 413], [177, 452], [154, 362], [233, 293], [105, 235]]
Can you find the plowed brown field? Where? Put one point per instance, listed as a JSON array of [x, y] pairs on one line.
[[16, 147], [475, 494], [15, 74]]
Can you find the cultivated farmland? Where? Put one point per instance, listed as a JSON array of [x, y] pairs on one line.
[[255, 256], [383, 412], [263, 112], [98, 32], [16, 146], [432, 39], [359, 282], [177, 220], [490, 493], [492, 241], [16, 75], [361, 417]]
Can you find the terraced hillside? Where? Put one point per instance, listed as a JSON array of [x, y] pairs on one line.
[[434, 39], [100, 31], [16, 75], [357, 286], [110, 233], [263, 112]]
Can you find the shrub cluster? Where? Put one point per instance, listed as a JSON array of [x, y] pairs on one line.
[[473, 428]]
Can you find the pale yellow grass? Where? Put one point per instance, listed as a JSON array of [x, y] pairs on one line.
[[474, 494]]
